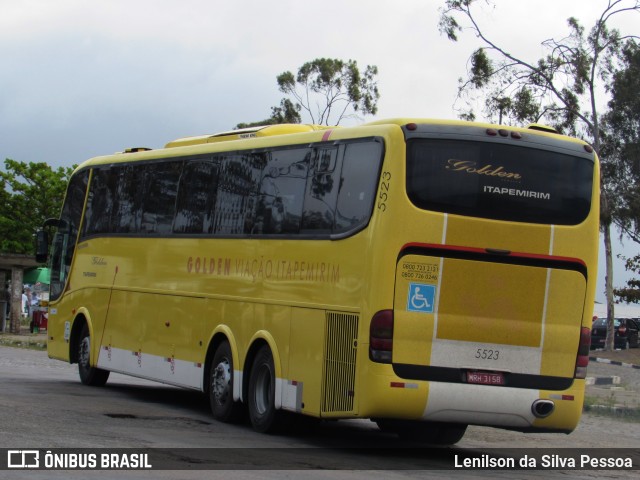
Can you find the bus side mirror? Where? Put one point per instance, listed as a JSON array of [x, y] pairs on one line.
[[42, 246]]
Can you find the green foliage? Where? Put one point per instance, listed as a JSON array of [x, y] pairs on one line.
[[329, 89], [287, 112], [525, 106], [621, 173], [630, 293], [31, 193], [448, 23], [558, 89], [623, 117], [621, 145], [481, 68]]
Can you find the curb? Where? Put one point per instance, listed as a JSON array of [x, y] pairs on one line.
[[611, 380], [621, 411], [614, 362]]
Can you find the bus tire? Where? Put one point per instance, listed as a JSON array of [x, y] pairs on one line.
[[433, 433], [261, 399], [92, 376], [221, 378], [451, 434]]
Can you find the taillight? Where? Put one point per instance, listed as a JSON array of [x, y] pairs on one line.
[[381, 337], [582, 360]]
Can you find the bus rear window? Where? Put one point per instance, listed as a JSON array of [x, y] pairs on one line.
[[498, 181]]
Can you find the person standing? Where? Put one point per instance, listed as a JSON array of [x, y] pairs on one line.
[[26, 301]]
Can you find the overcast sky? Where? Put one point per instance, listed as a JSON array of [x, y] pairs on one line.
[[83, 78]]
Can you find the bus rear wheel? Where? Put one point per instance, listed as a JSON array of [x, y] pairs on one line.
[[265, 418], [433, 433], [221, 378], [95, 377]]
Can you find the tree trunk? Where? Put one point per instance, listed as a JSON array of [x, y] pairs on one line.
[[608, 344], [16, 299]]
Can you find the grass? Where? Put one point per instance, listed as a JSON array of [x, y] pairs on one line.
[[609, 407], [24, 341]]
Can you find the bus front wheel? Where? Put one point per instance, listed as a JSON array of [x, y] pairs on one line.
[[221, 378], [95, 377]]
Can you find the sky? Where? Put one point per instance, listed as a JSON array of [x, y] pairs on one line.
[[84, 78]]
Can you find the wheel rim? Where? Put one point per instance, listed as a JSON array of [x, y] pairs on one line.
[[221, 383], [262, 397]]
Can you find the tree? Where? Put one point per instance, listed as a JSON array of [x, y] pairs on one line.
[[559, 89], [32, 192], [329, 90], [287, 112], [622, 147], [622, 142]]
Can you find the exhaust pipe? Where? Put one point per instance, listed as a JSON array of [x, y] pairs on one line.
[[542, 408]]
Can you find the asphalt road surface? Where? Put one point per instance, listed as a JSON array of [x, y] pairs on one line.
[[44, 406]]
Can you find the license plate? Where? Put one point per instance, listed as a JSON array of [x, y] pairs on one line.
[[485, 378]]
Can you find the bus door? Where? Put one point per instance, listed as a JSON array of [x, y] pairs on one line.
[[474, 317]]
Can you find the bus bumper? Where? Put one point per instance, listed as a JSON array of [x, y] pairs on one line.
[[388, 396]]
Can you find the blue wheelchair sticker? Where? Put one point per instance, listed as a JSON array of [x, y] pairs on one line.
[[421, 298]]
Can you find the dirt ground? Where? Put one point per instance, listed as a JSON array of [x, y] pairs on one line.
[[631, 355]]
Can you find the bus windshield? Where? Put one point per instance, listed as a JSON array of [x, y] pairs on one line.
[[64, 241], [498, 181]]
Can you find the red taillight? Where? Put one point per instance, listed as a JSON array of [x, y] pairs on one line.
[[381, 337], [582, 360]]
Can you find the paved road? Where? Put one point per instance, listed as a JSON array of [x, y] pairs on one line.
[[43, 405]]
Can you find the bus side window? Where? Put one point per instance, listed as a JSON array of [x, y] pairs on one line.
[[196, 197], [322, 192], [100, 204], [127, 208], [282, 188], [238, 184], [160, 186], [358, 183]]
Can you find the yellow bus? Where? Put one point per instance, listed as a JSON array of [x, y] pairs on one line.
[[423, 274]]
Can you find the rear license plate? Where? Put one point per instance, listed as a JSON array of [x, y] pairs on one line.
[[485, 378]]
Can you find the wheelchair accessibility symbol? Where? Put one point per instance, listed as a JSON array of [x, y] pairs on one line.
[[421, 298]]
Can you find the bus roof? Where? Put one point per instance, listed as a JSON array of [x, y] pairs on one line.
[[244, 133], [267, 134]]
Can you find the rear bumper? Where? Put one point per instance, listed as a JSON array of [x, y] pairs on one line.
[[389, 396]]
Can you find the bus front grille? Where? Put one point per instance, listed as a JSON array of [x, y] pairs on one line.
[[339, 370]]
